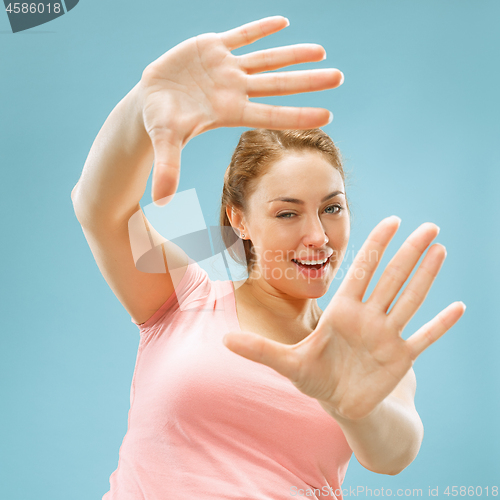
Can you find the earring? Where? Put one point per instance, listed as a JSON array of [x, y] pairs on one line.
[[243, 235]]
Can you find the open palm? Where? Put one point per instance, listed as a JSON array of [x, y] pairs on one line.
[[200, 85], [356, 356]]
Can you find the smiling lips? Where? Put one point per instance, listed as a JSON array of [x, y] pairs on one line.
[[311, 262], [312, 268]]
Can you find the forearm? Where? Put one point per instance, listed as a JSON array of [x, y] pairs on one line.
[[386, 441], [116, 171]]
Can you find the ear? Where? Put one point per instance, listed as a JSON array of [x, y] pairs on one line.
[[236, 219]]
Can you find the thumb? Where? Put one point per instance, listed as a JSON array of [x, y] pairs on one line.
[[280, 357], [167, 165]]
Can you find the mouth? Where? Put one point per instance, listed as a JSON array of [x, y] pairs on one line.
[[315, 268]]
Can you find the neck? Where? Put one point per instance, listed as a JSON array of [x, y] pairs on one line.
[[286, 308]]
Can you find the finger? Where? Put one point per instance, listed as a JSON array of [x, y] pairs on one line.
[[269, 59], [293, 82], [257, 115], [365, 263], [167, 161], [417, 289], [268, 352], [251, 32], [401, 265], [435, 328]]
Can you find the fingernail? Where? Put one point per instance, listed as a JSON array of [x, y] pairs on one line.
[[342, 80], [288, 22], [330, 119], [465, 307], [439, 229], [396, 217], [324, 56]]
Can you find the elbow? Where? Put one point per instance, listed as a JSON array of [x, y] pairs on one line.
[[73, 193], [411, 448], [73, 201], [394, 470], [401, 465], [405, 458]]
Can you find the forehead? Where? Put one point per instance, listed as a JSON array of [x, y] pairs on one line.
[[302, 174]]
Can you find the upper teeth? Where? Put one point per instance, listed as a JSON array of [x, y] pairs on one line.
[[312, 262]]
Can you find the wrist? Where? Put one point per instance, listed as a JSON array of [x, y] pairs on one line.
[[136, 98], [348, 419]]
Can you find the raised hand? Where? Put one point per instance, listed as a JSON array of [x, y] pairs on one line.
[[356, 356], [200, 85]]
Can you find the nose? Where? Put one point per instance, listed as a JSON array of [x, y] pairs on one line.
[[314, 233]]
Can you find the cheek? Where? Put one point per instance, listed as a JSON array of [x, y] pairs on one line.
[[339, 235], [274, 257], [274, 248], [274, 237]]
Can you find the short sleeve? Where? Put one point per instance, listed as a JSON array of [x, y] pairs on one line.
[[193, 286]]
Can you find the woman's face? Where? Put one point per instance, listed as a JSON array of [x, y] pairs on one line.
[[298, 212]]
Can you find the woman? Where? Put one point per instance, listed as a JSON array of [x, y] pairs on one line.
[[277, 410]]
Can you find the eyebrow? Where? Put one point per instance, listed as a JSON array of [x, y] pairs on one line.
[[300, 202]]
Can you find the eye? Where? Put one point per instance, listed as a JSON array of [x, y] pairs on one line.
[[338, 207], [285, 215]]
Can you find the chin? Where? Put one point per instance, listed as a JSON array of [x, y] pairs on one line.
[[304, 289]]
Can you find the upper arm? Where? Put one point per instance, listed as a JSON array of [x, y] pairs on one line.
[[118, 255]]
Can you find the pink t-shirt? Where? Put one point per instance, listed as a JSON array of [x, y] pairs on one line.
[[206, 423]]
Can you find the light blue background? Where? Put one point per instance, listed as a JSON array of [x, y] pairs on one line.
[[417, 120]]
